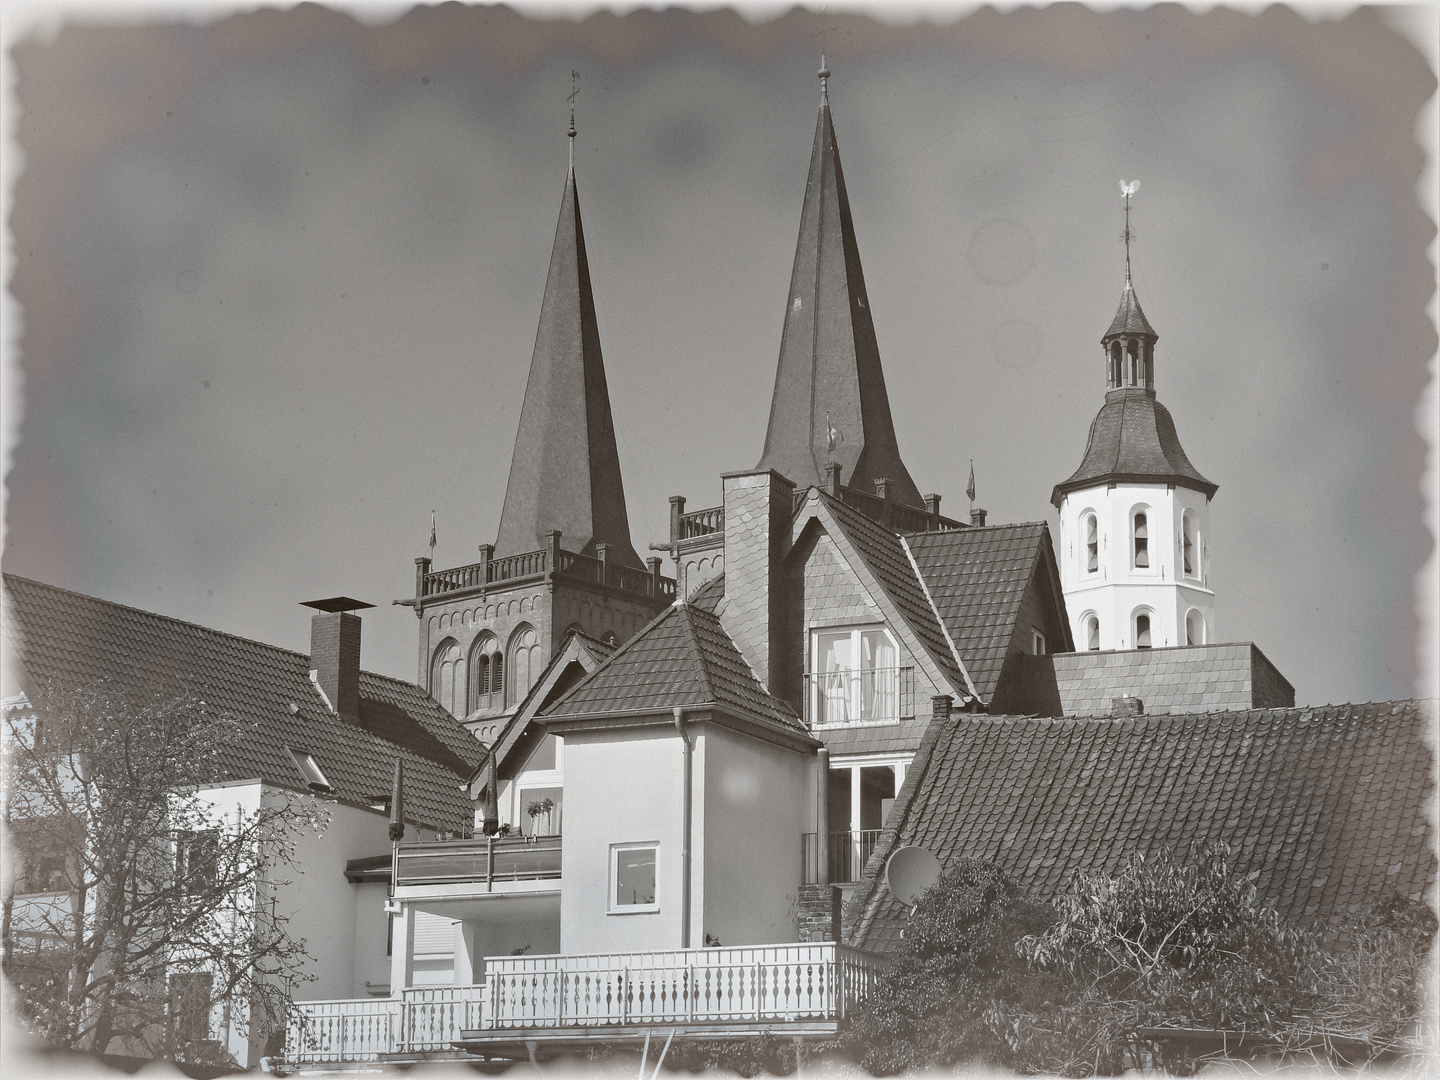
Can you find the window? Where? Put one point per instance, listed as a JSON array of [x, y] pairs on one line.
[[1092, 632], [1038, 640], [1187, 544], [1142, 631], [1092, 544], [856, 677], [310, 770], [524, 663], [447, 678], [197, 861], [1194, 628], [1141, 532], [632, 876], [189, 1006], [487, 673], [540, 810]]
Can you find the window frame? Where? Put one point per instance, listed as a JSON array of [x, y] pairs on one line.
[[613, 905], [1149, 616], [1136, 513], [1090, 542], [1199, 616], [816, 691], [1086, 620]]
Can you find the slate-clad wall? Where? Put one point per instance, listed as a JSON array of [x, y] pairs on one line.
[[1187, 679], [757, 531]]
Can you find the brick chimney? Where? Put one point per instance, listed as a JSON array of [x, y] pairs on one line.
[[758, 511], [977, 516], [1127, 706], [335, 652]]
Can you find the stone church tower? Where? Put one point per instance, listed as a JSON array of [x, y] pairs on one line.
[[563, 559], [1134, 517]]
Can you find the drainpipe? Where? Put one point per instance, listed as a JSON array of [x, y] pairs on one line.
[[822, 817], [684, 831]]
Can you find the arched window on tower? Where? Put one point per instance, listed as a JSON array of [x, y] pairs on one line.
[[487, 673], [1187, 545], [1092, 544], [447, 677], [1092, 632], [1141, 532], [1194, 628], [1142, 630], [524, 663], [1132, 348]]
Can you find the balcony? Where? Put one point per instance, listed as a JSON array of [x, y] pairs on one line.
[[502, 859], [560, 1002], [846, 856], [858, 697]]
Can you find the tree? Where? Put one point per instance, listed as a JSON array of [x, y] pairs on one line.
[[151, 900], [957, 960], [1170, 960]]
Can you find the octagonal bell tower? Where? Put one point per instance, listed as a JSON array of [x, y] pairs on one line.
[[1134, 517]]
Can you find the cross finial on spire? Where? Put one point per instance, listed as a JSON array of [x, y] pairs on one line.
[[574, 93], [1127, 189]]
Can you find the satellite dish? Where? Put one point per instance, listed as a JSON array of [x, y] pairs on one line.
[[910, 871]]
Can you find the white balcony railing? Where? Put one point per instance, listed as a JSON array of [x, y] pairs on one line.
[[772, 983], [764, 985], [420, 1019]]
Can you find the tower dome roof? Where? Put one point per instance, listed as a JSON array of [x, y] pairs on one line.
[[1133, 439]]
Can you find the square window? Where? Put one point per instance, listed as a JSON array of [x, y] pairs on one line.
[[310, 769], [856, 677], [632, 874]]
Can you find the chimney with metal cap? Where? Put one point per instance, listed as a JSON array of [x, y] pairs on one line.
[[335, 652]]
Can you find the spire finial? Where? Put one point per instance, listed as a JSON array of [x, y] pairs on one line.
[[574, 93], [1127, 189], [824, 71]]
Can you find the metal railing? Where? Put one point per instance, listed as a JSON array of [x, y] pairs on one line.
[[848, 852], [448, 862], [768, 983], [858, 696], [419, 1019]]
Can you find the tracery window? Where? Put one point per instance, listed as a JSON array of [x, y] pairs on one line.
[[487, 673], [524, 663], [447, 677]]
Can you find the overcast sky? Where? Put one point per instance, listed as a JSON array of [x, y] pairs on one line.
[[280, 274]]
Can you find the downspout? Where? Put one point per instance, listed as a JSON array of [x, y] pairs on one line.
[[684, 830]]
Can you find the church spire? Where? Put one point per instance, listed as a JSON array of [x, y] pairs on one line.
[[830, 403], [565, 474]]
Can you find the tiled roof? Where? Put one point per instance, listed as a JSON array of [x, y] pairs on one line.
[[884, 554], [1327, 804], [1129, 319], [1133, 439], [68, 640], [684, 657], [977, 578]]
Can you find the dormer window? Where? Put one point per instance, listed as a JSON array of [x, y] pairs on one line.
[[856, 678], [1141, 534]]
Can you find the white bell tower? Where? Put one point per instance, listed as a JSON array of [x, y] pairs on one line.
[[1135, 516]]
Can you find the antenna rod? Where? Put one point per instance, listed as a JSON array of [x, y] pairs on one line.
[[574, 93], [1128, 189]]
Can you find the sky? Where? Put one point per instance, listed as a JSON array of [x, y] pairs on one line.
[[275, 279]]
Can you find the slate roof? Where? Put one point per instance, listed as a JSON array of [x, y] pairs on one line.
[[1328, 804], [67, 639], [565, 473], [829, 377], [977, 578], [1133, 439], [683, 657], [1129, 319], [884, 554]]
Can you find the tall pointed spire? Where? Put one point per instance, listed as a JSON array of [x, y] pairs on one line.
[[565, 474], [830, 403]]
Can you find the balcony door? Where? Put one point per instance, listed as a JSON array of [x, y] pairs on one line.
[[856, 676]]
